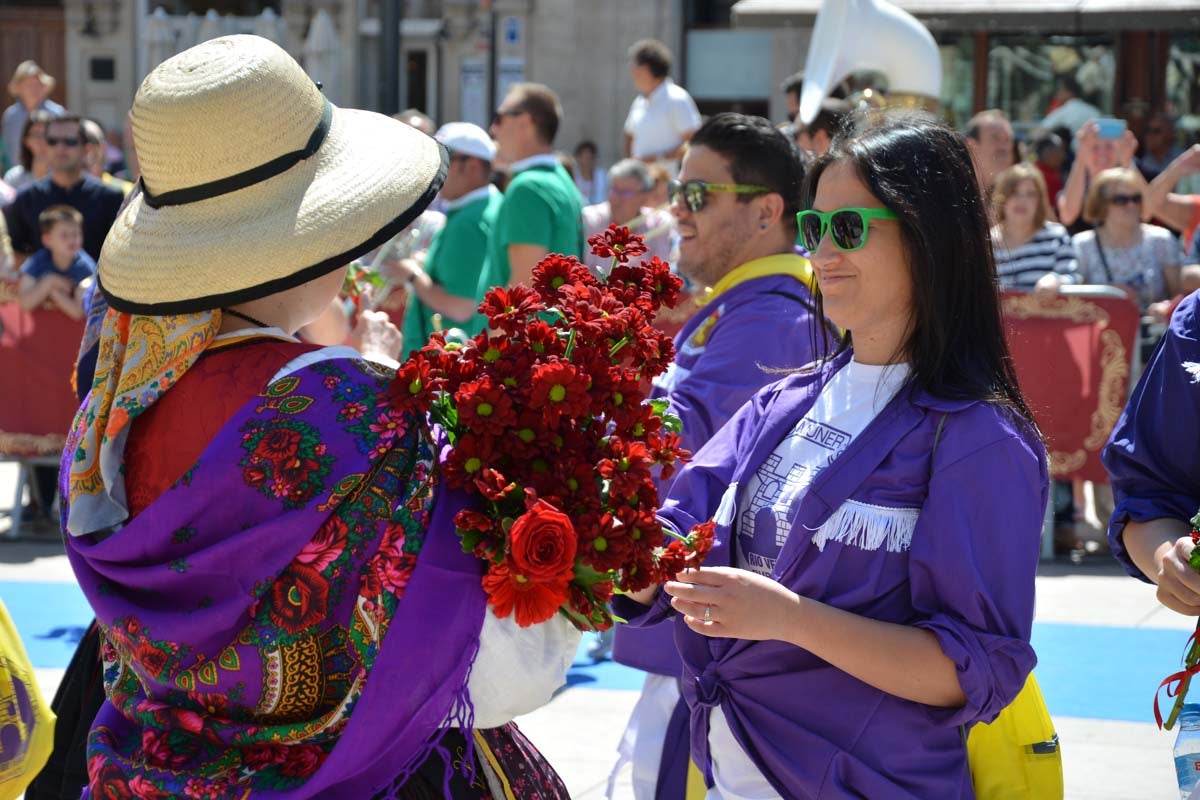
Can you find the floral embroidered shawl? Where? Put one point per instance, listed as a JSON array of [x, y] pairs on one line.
[[294, 617]]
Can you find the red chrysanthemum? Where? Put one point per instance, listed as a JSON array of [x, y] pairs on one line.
[[508, 309], [617, 242], [627, 467], [415, 384], [484, 407], [558, 389], [470, 456], [530, 602], [555, 271]]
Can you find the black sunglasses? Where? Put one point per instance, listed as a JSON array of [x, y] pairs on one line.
[[1125, 199], [68, 141], [501, 114]]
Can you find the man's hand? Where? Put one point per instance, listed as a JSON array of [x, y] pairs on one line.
[[1178, 583]]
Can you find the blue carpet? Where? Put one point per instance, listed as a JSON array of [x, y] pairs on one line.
[[1084, 671]]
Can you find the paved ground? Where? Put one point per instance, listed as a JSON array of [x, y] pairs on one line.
[[1103, 645]]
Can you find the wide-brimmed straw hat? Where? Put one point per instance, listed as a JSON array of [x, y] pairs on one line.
[[253, 182]]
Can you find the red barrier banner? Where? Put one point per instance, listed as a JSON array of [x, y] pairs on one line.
[[1072, 355], [37, 356]]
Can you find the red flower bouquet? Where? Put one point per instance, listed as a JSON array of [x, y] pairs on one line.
[[550, 428]]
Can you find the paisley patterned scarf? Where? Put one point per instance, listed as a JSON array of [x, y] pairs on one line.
[[140, 358]]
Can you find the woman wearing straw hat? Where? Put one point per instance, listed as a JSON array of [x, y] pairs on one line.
[[285, 608], [31, 87]]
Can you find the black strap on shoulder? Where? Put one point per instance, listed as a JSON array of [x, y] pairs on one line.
[[1103, 258], [250, 177]]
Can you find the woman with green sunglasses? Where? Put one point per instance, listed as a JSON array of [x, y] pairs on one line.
[[878, 514]]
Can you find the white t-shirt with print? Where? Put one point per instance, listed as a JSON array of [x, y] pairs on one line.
[[767, 506]]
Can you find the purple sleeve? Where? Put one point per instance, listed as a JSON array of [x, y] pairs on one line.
[[1152, 457], [972, 568], [696, 491], [741, 357]]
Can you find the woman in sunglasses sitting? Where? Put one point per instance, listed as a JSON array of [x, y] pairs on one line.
[[878, 514], [1122, 251]]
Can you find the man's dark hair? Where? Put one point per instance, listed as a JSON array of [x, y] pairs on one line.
[[654, 55], [758, 153], [1047, 141], [586, 144], [541, 104], [793, 83], [831, 118], [66, 119]]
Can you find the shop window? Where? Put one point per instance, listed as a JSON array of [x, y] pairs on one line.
[[1028, 76]]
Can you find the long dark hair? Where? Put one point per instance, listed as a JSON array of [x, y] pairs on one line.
[[921, 169], [37, 116]]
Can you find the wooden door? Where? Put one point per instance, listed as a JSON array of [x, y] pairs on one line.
[[37, 33]]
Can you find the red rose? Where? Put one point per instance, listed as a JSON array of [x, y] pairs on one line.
[[543, 543], [299, 598], [278, 445], [529, 601]]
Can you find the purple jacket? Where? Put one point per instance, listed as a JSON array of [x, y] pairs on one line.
[[1155, 466], [719, 365], [968, 577]]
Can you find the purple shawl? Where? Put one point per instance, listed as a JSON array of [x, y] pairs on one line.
[[294, 617]]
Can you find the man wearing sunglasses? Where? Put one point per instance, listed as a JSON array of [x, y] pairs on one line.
[[735, 203], [542, 211], [67, 184]]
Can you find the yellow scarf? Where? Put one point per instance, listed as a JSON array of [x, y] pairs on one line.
[[780, 264]]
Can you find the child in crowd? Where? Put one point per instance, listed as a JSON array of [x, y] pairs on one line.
[[58, 275]]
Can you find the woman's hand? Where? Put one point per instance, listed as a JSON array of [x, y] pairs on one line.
[[1047, 285], [741, 604], [376, 337], [1178, 583]]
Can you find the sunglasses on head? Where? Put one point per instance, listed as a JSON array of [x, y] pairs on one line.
[[1125, 199], [695, 193], [847, 226], [499, 115], [68, 141]]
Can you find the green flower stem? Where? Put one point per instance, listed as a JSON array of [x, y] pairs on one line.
[[1189, 661]]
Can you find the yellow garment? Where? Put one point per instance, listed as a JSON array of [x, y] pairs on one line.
[[117, 183], [780, 264], [1017, 754], [26, 722]]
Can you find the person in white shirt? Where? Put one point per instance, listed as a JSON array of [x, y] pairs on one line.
[[664, 116]]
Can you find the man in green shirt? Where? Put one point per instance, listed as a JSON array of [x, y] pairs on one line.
[[445, 293], [542, 210]]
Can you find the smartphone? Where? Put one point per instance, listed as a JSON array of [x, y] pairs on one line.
[[1110, 128]]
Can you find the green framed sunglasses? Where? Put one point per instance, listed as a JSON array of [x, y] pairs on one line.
[[695, 193], [848, 226]]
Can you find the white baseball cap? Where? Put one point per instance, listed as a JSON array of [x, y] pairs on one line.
[[468, 139]]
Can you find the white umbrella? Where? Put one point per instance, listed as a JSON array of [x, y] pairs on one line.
[[211, 28], [160, 38], [322, 51], [269, 26]]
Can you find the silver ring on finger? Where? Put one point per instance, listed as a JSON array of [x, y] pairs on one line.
[[708, 613]]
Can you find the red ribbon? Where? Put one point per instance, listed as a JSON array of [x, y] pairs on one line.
[[1176, 682]]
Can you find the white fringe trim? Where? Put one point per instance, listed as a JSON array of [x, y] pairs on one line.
[[727, 507], [869, 527]]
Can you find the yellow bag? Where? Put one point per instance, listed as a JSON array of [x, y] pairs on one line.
[[26, 722], [1017, 754]]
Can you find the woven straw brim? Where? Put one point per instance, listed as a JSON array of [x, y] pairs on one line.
[[371, 177]]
